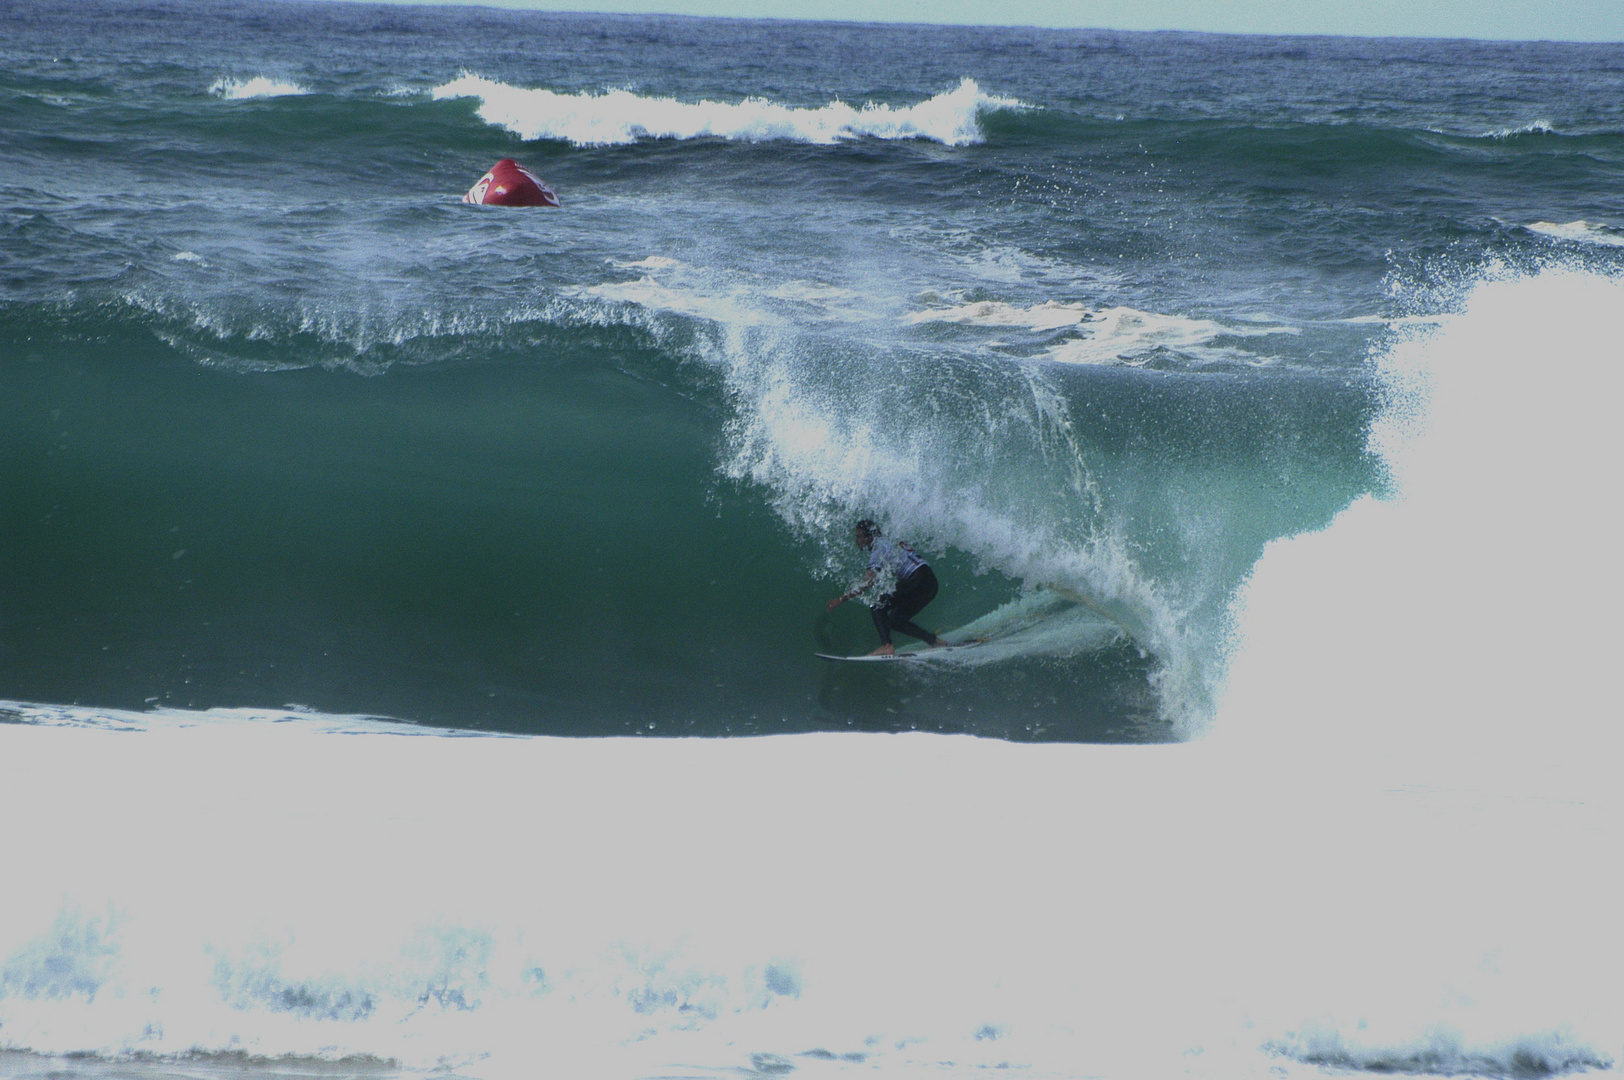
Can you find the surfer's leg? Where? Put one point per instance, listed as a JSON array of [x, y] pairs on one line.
[[913, 593], [913, 631], [882, 621]]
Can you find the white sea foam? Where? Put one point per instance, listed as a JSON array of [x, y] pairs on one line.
[[1127, 335], [167, 719], [817, 293], [1582, 232], [656, 296], [620, 116], [614, 908], [1394, 320], [726, 298], [1103, 336], [260, 86], [1048, 315], [652, 262], [985, 256]]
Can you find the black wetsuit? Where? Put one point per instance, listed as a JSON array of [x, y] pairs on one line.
[[898, 607]]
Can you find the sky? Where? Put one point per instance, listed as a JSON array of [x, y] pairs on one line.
[[1524, 20]]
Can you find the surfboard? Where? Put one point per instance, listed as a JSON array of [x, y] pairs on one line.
[[914, 655]]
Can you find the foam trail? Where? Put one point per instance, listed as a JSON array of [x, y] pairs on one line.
[[618, 117], [1104, 336], [652, 295], [1049, 315]]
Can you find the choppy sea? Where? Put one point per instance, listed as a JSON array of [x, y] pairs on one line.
[[408, 609]]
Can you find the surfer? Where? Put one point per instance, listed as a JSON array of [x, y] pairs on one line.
[[915, 587]]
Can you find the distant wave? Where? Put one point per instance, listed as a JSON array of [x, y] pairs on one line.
[[1583, 232], [257, 87], [620, 116], [1538, 127], [1535, 127]]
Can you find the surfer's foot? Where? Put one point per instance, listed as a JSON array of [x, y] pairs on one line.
[[884, 650], [938, 643]]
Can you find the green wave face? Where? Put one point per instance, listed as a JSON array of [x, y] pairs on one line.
[[570, 529]]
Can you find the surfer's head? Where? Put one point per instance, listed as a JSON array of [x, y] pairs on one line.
[[865, 532]]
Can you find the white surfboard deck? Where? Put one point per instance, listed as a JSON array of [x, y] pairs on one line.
[[913, 655]]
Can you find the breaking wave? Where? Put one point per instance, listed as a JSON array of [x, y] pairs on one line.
[[617, 117], [1452, 647]]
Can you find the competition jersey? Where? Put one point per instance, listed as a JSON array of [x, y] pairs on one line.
[[889, 556]]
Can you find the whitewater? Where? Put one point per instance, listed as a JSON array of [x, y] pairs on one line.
[[407, 609]]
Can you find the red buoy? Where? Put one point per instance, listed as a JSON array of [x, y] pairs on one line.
[[510, 184]]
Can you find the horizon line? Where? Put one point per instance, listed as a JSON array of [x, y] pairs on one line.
[[523, 6]]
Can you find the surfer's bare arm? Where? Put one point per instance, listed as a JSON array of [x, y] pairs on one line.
[[855, 590]]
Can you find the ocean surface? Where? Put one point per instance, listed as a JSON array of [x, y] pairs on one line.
[[364, 553]]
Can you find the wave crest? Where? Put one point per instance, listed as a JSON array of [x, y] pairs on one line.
[[618, 117], [1537, 127], [258, 87]]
